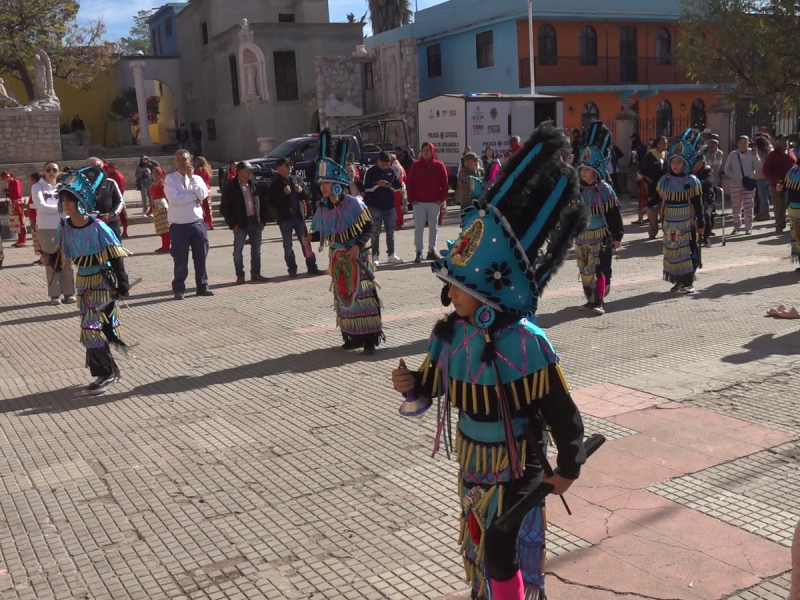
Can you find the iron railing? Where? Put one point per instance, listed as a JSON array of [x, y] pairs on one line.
[[601, 70]]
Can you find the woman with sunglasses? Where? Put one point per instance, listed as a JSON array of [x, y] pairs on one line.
[[48, 220]]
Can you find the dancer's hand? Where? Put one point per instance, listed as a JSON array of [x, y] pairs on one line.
[[615, 244], [306, 239], [354, 252], [560, 484], [700, 231], [403, 380]]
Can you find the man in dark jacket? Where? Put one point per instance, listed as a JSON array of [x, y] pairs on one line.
[[245, 211], [703, 172], [286, 197], [380, 184], [110, 201], [182, 137]]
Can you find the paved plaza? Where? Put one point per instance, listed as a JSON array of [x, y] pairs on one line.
[[244, 455]]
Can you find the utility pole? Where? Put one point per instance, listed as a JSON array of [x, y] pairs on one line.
[[530, 45]]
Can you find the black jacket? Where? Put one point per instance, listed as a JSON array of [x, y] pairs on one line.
[[109, 199], [281, 202], [232, 206]]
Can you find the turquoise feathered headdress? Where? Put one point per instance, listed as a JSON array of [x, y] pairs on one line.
[[687, 148], [495, 258], [597, 152], [332, 165], [82, 184]]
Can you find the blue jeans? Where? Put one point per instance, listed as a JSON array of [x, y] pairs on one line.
[[255, 248], [763, 196], [294, 226], [389, 218], [183, 237], [429, 211]]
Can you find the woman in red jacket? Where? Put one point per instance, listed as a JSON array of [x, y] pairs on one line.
[[16, 213], [203, 169]]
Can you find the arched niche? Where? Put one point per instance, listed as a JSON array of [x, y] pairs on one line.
[[252, 73]]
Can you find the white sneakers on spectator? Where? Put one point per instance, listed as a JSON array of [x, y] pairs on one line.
[[394, 260]]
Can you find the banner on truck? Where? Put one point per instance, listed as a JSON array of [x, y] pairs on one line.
[[487, 126], [442, 124]]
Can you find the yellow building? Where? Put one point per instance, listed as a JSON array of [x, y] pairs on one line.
[[93, 105]]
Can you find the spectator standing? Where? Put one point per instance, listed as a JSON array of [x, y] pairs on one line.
[[401, 197], [652, 168], [356, 185], [109, 199], [740, 169], [202, 168], [197, 138], [763, 148], [33, 179], [638, 152], [182, 137], [776, 166], [245, 212], [16, 212], [467, 150], [144, 179], [287, 196], [185, 192], [48, 220], [427, 192], [514, 145], [576, 141], [112, 172], [160, 209], [715, 159], [613, 168], [491, 165], [313, 184], [78, 130], [471, 168], [380, 185]]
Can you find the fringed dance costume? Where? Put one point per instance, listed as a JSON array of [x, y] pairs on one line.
[[159, 206], [98, 254], [683, 216], [499, 371], [594, 245], [792, 183], [340, 225]]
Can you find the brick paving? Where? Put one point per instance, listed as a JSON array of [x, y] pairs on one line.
[[245, 456]]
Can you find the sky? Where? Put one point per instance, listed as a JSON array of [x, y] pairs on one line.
[[118, 14]]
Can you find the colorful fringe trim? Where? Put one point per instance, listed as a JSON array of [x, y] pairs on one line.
[[101, 257], [794, 228]]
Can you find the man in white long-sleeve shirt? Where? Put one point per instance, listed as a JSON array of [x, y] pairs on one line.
[[48, 220], [185, 192]]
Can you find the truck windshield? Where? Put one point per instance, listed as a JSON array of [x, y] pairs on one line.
[[286, 150]]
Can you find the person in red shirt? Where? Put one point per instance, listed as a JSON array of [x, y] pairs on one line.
[[427, 190], [159, 209], [399, 197], [16, 214], [202, 168], [775, 168], [113, 173]]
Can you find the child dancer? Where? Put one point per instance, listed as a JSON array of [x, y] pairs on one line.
[[604, 232], [497, 368], [101, 279], [681, 206], [159, 209], [343, 222]]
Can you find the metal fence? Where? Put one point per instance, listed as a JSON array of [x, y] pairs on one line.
[[601, 70], [649, 129], [763, 120]]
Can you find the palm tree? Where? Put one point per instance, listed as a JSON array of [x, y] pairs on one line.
[[388, 14]]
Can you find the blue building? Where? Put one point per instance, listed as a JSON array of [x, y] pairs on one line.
[[163, 34], [592, 53]]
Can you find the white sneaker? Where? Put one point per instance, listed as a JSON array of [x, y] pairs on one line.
[[375, 260], [394, 260]]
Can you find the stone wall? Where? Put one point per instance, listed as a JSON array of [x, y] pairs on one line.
[[29, 136], [339, 78]]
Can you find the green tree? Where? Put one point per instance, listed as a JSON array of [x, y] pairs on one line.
[[77, 51], [125, 108], [748, 44], [139, 36], [388, 14]]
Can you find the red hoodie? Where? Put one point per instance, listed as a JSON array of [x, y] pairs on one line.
[[427, 179]]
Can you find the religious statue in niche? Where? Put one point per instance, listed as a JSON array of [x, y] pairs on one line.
[[43, 81], [252, 84]]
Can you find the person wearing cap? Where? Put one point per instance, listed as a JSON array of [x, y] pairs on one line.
[[471, 168], [110, 201], [380, 185], [245, 211], [144, 179], [715, 158], [289, 199], [740, 169], [16, 213], [185, 192], [776, 166], [101, 278], [703, 173]]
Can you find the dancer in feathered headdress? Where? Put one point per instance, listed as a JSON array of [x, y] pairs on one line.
[[496, 367], [604, 233], [792, 184], [682, 209], [101, 279], [343, 222]]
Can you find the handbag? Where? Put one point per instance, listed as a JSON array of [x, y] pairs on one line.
[[748, 183]]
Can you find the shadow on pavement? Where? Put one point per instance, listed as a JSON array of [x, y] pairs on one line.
[[745, 286], [68, 399], [765, 346]]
